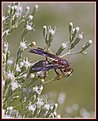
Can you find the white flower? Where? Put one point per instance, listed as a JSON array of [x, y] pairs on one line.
[[18, 68], [21, 64], [32, 107], [6, 46], [10, 62], [58, 116], [39, 102], [52, 32], [15, 6], [7, 116], [68, 109], [14, 85], [71, 24], [28, 8], [80, 36], [38, 89], [30, 17], [3, 83], [10, 108], [9, 6], [41, 73], [61, 98], [75, 107], [29, 27], [5, 32], [47, 106], [4, 18], [90, 41], [32, 75], [26, 63], [77, 29], [64, 45], [45, 27], [23, 45], [84, 113], [10, 75], [56, 105], [36, 7]]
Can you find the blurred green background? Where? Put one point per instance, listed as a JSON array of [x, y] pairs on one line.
[[80, 87]]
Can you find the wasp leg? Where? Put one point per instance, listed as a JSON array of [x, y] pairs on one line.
[[57, 72], [62, 72], [60, 75]]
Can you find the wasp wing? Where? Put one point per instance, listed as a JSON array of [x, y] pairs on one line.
[[43, 65], [41, 51]]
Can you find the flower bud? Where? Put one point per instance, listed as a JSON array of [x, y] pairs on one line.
[[75, 32], [63, 46], [44, 31], [77, 40], [70, 27], [84, 47]]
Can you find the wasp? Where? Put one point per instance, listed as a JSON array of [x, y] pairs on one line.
[[55, 63]]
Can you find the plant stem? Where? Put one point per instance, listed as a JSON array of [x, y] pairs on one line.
[[69, 53]]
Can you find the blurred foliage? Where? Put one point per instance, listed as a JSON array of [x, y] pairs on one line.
[[80, 87]]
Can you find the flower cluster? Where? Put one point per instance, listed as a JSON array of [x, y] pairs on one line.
[[21, 95]]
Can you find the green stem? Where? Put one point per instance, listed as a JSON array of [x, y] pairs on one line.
[[69, 53], [53, 79]]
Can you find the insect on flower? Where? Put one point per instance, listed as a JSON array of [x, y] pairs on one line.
[[54, 62]]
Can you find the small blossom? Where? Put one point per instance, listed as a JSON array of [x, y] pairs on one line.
[[39, 102], [45, 31], [90, 41], [3, 83], [26, 63], [6, 47], [84, 113], [38, 89], [84, 47], [7, 116], [30, 17], [18, 68], [44, 27], [6, 32], [80, 36], [15, 6], [64, 45], [75, 107], [23, 45], [14, 85], [10, 75], [47, 106], [70, 27], [9, 6], [58, 116], [71, 24], [21, 64], [52, 32], [29, 27], [36, 7], [56, 105], [10, 62], [31, 107], [32, 75], [28, 8], [77, 29], [61, 98], [41, 73], [42, 80], [68, 109], [10, 108], [4, 18]]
